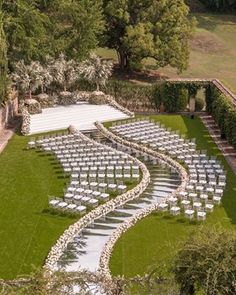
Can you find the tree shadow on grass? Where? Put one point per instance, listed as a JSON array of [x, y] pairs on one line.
[[210, 22], [196, 129]]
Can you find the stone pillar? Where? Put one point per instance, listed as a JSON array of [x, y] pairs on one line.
[[192, 103]]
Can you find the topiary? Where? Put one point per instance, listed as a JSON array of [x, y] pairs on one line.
[[199, 104]]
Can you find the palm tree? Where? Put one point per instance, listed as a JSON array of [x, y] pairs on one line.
[[96, 70], [45, 78], [27, 77], [63, 71]]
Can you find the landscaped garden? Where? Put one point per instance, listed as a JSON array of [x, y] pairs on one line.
[[157, 238], [117, 147]]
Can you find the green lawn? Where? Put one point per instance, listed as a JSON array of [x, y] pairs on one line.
[[28, 229], [27, 178], [213, 52], [156, 238]]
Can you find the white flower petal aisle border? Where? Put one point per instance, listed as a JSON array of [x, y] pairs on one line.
[[107, 250], [61, 244]]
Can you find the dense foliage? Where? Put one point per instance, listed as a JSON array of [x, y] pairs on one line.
[[140, 29], [75, 26], [175, 97], [223, 112], [35, 28], [220, 5], [207, 263], [3, 61]]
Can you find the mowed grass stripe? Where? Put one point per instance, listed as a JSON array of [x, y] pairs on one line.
[[26, 232], [155, 239]]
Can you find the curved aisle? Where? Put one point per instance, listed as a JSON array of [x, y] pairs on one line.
[[85, 250]]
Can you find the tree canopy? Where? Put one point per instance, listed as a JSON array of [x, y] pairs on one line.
[[76, 26], [139, 29], [37, 28], [207, 263]]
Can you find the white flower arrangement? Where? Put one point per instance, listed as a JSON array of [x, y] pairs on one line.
[[75, 229]]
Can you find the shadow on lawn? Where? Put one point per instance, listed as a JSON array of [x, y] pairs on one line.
[[210, 22], [204, 141]]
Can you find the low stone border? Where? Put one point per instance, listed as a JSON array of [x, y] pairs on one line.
[[112, 102], [68, 236], [107, 250], [139, 147], [25, 128]]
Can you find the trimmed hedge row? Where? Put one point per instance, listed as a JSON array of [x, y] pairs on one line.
[[173, 96], [223, 111]]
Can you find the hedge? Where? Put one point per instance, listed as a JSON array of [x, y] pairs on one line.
[[223, 111], [175, 97]]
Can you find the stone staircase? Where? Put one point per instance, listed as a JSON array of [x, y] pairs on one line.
[[227, 149]]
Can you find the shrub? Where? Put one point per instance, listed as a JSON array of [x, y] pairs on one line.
[[209, 94], [223, 112], [199, 104], [128, 90], [175, 97]]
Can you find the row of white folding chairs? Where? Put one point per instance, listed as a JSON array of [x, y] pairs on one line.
[[77, 158], [103, 168], [82, 186], [109, 177], [66, 207], [214, 190], [203, 196]]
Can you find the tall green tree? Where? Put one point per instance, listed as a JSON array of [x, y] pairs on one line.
[[138, 29], [37, 28], [76, 25], [207, 263], [3, 60], [26, 29]]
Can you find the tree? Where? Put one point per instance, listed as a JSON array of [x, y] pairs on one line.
[[76, 26], [45, 77], [64, 72], [138, 29], [96, 70], [37, 28], [27, 77], [62, 283], [3, 61], [207, 263], [27, 30]]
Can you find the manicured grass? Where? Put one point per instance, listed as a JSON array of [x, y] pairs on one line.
[[27, 233], [28, 228], [213, 52], [156, 238], [151, 241]]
